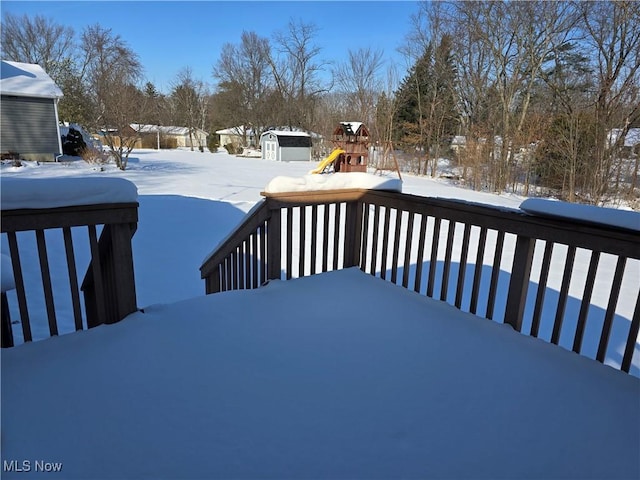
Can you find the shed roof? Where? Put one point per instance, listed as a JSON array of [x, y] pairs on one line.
[[287, 133], [27, 80], [290, 139]]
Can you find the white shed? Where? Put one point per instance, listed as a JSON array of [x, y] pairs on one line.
[[285, 146]]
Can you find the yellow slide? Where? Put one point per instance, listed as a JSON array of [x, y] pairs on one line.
[[328, 161]]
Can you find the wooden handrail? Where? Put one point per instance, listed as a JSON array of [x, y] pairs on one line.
[[109, 284], [391, 234]]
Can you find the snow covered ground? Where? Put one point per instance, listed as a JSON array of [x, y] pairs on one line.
[[233, 385], [345, 412]]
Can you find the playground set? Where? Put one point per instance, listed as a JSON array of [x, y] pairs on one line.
[[351, 151]]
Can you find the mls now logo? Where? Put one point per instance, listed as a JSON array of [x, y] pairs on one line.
[[27, 466]]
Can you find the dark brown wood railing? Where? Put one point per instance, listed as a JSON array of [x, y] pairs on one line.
[[479, 258], [108, 285]]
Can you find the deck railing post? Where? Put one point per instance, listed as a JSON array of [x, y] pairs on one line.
[[274, 245], [121, 256], [519, 282], [353, 234]]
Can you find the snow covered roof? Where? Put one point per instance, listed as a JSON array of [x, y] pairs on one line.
[[239, 130], [27, 80], [166, 130], [287, 133], [354, 126]]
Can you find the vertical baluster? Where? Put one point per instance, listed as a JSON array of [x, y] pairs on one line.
[[420, 260], [314, 238], [477, 272], [447, 261], [289, 245], [46, 282], [564, 293], [611, 309], [254, 260], [463, 265], [365, 236], [375, 239], [73, 277], [325, 238], [247, 262], [542, 288], [385, 243], [433, 262], [20, 291], [495, 272], [303, 241], [229, 270], [586, 301], [407, 251], [396, 246], [263, 253]]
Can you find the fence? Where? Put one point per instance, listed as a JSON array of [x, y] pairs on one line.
[[482, 259], [108, 285]]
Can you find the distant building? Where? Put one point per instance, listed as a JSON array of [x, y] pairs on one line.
[[29, 112], [285, 146], [169, 135], [240, 136]]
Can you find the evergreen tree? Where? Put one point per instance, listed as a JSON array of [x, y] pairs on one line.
[[427, 114]]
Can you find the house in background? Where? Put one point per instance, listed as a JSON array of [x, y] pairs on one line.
[[240, 136], [285, 146], [29, 112], [158, 136]]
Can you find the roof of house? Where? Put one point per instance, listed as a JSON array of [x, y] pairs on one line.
[[239, 130], [165, 130], [27, 80]]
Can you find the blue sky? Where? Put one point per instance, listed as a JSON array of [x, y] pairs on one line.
[[168, 36]]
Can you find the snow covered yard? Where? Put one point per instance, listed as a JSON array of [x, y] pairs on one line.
[[322, 393]]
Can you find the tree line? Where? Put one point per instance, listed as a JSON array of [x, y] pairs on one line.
[[519, 95]]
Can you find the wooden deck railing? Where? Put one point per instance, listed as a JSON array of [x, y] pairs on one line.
[[108, 284], [486, 260]]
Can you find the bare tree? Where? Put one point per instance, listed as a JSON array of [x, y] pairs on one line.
[[37, 40], [190, 98], [612, 30], [296, 70], [42, 41], [245, 80], [112, 70], [358, 78]]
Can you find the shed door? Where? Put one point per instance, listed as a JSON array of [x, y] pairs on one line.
[[270, 150]]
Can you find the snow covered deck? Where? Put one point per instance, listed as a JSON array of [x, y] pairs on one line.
[[290, 381]]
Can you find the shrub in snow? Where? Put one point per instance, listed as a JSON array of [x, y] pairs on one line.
[[94, 156]]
